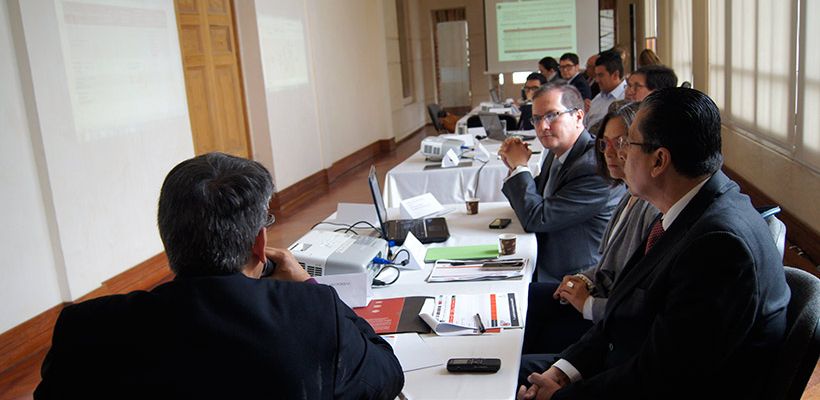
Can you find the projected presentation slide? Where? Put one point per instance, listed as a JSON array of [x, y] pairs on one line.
[[124, 74], [530, 30]]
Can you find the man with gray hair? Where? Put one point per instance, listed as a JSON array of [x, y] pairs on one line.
[[217, 330]]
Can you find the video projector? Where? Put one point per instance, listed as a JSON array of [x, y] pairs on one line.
[[323, 253], [434, 147]]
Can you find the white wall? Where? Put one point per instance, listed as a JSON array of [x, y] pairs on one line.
[[88, 197], [347, 42], [322, 67], [28, 271]]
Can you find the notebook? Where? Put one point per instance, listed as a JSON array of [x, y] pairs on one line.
[[492, 125], [426, 230]]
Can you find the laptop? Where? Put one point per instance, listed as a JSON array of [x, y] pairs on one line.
[[494, 96], [426, 230], [492, 125]]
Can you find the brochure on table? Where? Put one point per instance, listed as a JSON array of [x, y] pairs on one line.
[[464, 314]]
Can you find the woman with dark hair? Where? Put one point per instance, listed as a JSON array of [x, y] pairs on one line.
[[552, 326], [625, 232]]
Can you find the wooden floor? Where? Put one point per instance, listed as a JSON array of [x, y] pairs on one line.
[[20, 381]]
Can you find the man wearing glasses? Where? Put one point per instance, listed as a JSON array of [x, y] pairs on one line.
[[699, 311], [217, 330], [571, 72], [567, 205]]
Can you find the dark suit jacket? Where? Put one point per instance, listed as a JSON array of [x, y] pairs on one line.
[[580, 83], [569, 222], [218, 337], [700, 316]]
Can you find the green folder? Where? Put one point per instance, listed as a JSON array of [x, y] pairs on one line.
[[461, 252]]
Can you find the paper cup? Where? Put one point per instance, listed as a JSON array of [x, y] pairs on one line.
[[506, 244], [472, 205]]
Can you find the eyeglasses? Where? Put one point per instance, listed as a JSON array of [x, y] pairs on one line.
[[635, 86], [623, 141], [550, 117], [270, 220], [531, 88], [567, 66], [604, 142]]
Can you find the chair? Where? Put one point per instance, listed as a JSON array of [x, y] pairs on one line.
[[798, 356], [686, 84], [435, 112]]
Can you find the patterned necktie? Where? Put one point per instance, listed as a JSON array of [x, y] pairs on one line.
[[654, 234]]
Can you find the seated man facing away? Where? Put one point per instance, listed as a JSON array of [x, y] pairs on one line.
[[647, 80], [700, 310], [568, 204], [218, 330]]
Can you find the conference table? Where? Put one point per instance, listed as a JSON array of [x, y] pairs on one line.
[[436, 382], [449, 185]]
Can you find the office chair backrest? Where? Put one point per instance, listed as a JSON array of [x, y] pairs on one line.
[[778, 230], [433, 109], [798, 356]]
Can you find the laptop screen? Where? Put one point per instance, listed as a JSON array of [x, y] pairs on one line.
[[492, 125], [381, 211]]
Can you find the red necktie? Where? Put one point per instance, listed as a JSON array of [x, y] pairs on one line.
[[654, 235]]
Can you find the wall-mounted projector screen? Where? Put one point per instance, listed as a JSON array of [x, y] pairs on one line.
[[521, 32]]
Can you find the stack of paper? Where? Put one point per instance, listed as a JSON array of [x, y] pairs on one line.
[[460, 271]]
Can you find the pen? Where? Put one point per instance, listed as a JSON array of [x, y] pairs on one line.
[[480, 325]]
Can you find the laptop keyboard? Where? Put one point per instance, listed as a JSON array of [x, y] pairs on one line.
[[416, 226]]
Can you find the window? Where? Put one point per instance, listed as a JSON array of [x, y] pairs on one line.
[[681, 37], [808, 100], [404, 50], [754, 48], [520, 77]]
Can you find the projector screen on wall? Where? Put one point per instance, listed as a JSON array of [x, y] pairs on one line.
[[520, 32]]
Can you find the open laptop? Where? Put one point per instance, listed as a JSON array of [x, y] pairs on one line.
[[494, 96], [492, 125], [426, 230]]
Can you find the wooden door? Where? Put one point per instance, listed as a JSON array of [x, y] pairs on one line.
[[211, 62]]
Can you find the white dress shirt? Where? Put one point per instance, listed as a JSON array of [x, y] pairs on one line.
[[599, 106]]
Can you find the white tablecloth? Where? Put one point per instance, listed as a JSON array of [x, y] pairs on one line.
[[409, 178], [436, 382]]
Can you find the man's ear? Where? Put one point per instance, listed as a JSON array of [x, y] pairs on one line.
[[259, 244], [662, 161]]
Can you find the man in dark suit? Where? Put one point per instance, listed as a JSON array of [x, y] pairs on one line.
[[568, 205], [700, 311], [218, 330], [571, 72]]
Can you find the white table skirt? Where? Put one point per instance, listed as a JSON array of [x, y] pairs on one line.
[[409, 178]]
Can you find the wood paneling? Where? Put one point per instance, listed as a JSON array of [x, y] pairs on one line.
[[212, 79]]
